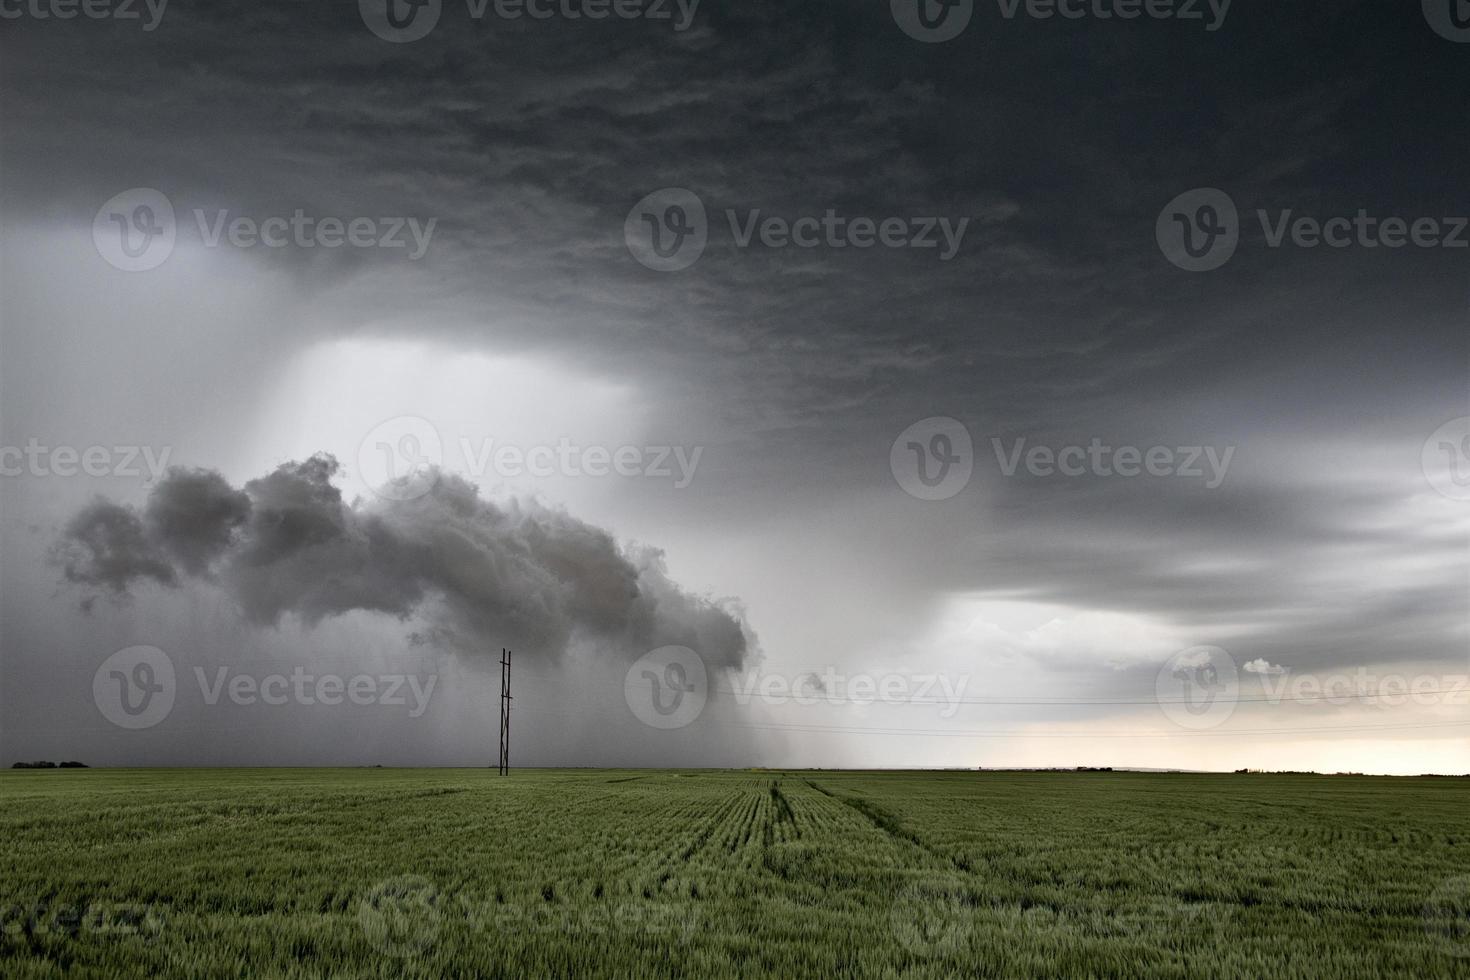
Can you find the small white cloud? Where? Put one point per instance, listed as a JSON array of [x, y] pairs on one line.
[[1261, 665]]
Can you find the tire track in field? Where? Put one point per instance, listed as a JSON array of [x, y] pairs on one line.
[[892, 826], [782, 813]]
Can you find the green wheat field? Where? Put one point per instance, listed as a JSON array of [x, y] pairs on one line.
[[563, 873]]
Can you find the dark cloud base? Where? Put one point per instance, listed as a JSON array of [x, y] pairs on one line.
[[482, 574]]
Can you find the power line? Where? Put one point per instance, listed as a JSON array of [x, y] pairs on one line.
[[1054, 702], [817, 729], [950, 733], [1078, 702]]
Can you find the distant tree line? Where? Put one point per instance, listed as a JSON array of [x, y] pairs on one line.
[[49, 765]]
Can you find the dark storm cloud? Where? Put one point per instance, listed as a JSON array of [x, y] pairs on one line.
[[530, 141], [479, 573], [106, 545], [194, 515], [1058, 320]]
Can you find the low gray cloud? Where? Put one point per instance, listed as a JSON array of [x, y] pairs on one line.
[[479, 574]]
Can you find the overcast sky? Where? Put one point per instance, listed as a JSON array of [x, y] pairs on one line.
[[1307, 511]]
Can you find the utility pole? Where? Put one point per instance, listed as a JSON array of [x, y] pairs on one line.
[[504, 711]]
